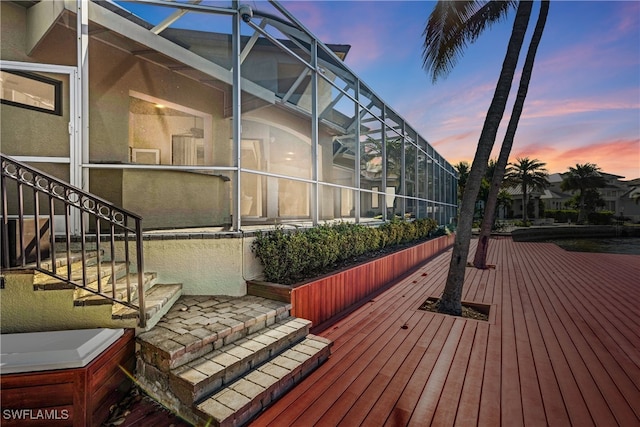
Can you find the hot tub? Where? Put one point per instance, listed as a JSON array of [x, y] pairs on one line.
[[64, 377], [43, 351]]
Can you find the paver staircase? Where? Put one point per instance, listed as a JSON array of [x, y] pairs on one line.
[[221, 360], [158, 297]]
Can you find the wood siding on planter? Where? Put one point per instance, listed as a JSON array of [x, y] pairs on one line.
[[78, 397], [329, 296]]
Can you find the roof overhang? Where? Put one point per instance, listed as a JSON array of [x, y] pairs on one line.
[[126, 35]]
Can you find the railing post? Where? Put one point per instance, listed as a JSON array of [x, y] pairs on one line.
[[5, 220], [142, 320]]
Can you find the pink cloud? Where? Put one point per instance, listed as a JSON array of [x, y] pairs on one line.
[[536, 109], [620, 157], [629, 17]]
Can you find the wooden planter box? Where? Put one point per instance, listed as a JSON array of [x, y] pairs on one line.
[[76, 397], [326, 298]]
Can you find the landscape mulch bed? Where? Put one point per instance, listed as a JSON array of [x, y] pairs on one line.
[[468, 312]]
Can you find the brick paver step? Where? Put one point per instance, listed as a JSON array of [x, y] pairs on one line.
[[196, 325], [240, 401], [201, 377]]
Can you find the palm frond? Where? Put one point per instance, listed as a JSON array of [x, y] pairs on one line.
[[451, 26], [487, 15]]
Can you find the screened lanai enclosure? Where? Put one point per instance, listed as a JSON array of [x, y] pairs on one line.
[[210, 114]]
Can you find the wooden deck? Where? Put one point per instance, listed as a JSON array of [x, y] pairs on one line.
[[562, 347]]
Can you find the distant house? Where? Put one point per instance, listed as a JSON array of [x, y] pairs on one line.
[[619, 196], [515, 211], [629, 201]]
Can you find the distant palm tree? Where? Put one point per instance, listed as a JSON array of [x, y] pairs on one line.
[[452, 25], [582, 178], [497, 177], [463, 175], [529, 174]]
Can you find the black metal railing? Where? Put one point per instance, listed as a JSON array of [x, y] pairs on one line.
[[105, 234]]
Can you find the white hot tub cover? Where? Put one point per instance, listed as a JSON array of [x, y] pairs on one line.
[[43, 351]]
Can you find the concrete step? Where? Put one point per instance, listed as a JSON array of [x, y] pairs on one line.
[[158, 300], [196, 325], [84, 297], [240, 401], [44, 282], [201, 377], [62, 261]]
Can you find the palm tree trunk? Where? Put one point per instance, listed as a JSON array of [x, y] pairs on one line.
[[480, 258], [524, 200], [451, 300]]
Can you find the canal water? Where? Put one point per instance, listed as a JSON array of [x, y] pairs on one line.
[[612, 245]]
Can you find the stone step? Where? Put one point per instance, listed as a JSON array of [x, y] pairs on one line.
[[62, 261], [84, 297], [44, 282], [203, 376], [239, 402], [196, 325], [157, 301]]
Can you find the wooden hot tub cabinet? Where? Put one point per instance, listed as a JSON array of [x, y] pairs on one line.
[[76, 397]]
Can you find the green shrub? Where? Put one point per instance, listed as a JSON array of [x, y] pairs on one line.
[[291, 256], [521, 223], [600, 218], [564, 215]]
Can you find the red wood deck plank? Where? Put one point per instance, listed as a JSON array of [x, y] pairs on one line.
[[554, 408], [511, 408], [426, 404], [447, 405], [589, 396], [371, 323], [365, 364], [532, 405], [490, 401], [377, 401], [598, 331], [469, 405], [375, 377], [563, 349], [403, 409], [569, 389], [601, 393]]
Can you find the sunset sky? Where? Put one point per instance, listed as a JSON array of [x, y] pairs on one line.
[[584, 98], [583, 104]]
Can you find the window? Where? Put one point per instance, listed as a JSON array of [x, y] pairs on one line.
[[161, 132], [31, 91]]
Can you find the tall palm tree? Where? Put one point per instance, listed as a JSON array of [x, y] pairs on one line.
[[480, 257], [582, 178], [450, 26], [530, 175]]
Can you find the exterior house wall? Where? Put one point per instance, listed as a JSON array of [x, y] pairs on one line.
[[204, 266], [46, 134], [167, 195], [47, 310]]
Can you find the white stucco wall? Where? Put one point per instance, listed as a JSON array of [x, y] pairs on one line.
[[24, 310], [204, 266]]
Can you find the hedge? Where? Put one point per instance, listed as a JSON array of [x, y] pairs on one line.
[[290, 256], [564, 215]]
